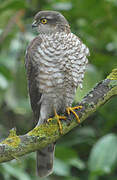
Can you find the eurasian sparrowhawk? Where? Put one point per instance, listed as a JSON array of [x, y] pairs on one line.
[[55, 64]]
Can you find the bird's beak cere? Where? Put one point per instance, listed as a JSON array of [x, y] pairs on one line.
[[34, 24]]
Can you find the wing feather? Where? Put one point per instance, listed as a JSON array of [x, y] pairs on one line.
[[32, 72]]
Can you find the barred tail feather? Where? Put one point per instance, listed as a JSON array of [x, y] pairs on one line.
[[45, 159]]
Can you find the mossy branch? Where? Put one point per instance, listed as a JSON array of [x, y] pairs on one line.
[[15, 146]]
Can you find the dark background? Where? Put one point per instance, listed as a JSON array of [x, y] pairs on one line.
[[89, 151]]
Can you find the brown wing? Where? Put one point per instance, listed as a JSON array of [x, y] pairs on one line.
[[32, 72]]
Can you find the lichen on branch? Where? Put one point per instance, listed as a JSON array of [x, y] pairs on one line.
[[15, 146]]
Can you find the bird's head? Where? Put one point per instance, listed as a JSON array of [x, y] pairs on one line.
[[50, 21]]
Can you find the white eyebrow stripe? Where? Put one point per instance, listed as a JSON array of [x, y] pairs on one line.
[[49, 17]]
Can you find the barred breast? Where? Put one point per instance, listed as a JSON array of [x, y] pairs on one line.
[[61, 59]]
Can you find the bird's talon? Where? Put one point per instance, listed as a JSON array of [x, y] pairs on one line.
[[71, 109], [57, 117]]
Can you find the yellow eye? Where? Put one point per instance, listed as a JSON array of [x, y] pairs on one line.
[[43, 21]]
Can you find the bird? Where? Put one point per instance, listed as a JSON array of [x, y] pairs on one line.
[[55, 62]]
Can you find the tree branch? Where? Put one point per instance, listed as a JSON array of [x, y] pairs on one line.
[[15, 146]]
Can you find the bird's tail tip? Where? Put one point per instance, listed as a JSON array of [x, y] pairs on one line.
[[45, 158]]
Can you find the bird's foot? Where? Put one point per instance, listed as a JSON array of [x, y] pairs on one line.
[[57, 117], [71, 109]]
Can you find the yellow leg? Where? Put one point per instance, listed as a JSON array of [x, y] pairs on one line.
[[58, 120], [71, 109]]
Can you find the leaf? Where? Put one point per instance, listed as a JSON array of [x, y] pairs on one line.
[[16, 172], [65, 153], [76, 162], [61, 168], [5, 72], [3, 82], [103, 155]]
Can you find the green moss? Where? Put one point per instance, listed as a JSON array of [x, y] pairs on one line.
[[113, 75], [45, 129], [12, 133], [113, 83], [13, 140]]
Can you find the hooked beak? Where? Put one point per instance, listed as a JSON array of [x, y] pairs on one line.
[[34, 24]]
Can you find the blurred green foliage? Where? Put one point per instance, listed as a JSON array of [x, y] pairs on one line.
[[90, 151]]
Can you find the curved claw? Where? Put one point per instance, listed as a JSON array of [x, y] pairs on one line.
[[57, 117], [71, 109]]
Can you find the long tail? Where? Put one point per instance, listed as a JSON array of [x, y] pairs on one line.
[[45, 159]]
